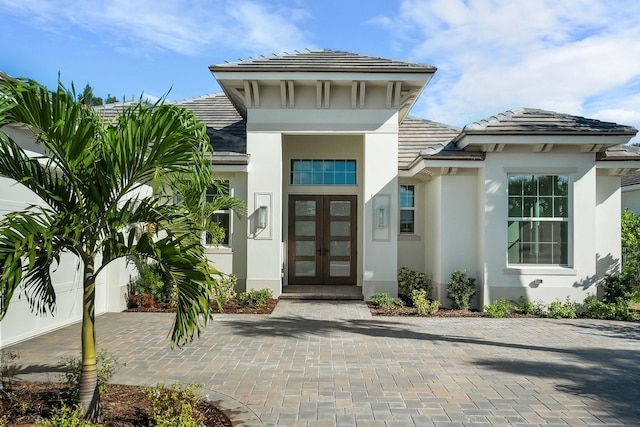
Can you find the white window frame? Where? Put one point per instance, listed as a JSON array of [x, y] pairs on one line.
[[208, 198], [566, 219], [411, 208]]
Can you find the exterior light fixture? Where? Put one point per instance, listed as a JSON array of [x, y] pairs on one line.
[[263, 215], [381, 218]]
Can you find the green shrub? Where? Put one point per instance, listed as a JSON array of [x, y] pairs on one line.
[[620, 286], [149, 287], [224, 289], [66, 417], [460, 289], [612, 311], [422, 304], [386, 302], [524, 306], [175, 407], [107, 366], [256, 298], [409, 280], [559, 310], [499, 309]]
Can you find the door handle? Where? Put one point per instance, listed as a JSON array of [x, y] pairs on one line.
[[322, 251]]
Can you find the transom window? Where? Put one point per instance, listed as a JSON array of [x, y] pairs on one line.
[[407, 209], [538, 223], [323, 172]]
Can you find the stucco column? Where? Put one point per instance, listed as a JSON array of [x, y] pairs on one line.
[[264, 211], [380, 222]]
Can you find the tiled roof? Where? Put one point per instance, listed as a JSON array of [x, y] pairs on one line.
[[620, 152], [225, 127], [323, 60], [417, 135], [531, 120], [631, 179]]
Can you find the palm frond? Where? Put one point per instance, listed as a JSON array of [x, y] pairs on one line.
[[28, 248]]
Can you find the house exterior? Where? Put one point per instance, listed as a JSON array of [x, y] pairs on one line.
[[631, 190], [343, 186]]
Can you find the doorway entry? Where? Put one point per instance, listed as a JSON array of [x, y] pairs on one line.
[[322, 240]]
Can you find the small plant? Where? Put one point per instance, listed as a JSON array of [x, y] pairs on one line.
[[8, 367], [386, 302], [499, 309], [612, 311], [256, 298], [224, 289], [422, 304], [409, 280], [175, 407], [559, 310], [524, 306], [460, 289], [66, 416], [107, 367]]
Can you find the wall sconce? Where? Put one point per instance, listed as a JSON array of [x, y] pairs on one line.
[[380, 218], [263, 212]]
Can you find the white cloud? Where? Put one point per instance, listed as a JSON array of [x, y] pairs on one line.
[[181, 26], [495, 55]]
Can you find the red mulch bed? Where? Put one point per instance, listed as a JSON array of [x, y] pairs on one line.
[[23, 403], [234, 307]]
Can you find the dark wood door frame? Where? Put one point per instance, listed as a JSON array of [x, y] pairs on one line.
[[324, 260]]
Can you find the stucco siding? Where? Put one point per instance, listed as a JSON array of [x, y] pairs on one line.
[[545, 283]]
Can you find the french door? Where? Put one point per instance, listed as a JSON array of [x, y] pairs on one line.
[[322, 240]]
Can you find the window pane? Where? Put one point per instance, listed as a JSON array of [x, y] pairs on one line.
[[407, 196], [560, 207], [305, 228], [340, 228], [515, 206], [340, 248], [529, 186], [222, 218], [339, 268], [407, 221], [561, 186], [340, 208], [306, 248], [537, 242], [545, 207], [545, 185], [305, 208], [323, 172], [305, 268]]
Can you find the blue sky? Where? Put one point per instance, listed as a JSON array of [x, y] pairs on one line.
[[573, 56]]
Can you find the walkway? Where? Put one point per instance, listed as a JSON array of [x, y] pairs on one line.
[[329, 363]]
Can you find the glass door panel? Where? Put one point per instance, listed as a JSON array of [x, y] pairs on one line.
[[322, 240]]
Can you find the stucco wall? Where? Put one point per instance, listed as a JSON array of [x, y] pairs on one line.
[[411, 247], [630, 198], [545, 283]]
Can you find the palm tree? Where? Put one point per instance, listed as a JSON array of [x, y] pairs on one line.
[[89, 181]]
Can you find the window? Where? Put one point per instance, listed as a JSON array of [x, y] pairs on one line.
[[323, 172], [538, 224], [221, 216], [407, 209]]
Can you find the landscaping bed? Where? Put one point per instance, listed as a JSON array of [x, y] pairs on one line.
[[234, 306], [24, 403]]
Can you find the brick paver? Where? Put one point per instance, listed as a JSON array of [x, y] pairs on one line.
[[320, 363]]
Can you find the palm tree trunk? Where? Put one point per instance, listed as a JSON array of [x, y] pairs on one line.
[[89, 392]]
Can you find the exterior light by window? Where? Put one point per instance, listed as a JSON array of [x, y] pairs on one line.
[[263, 213], [380, 218]]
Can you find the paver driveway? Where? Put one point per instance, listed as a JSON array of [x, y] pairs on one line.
[[316, 363]]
